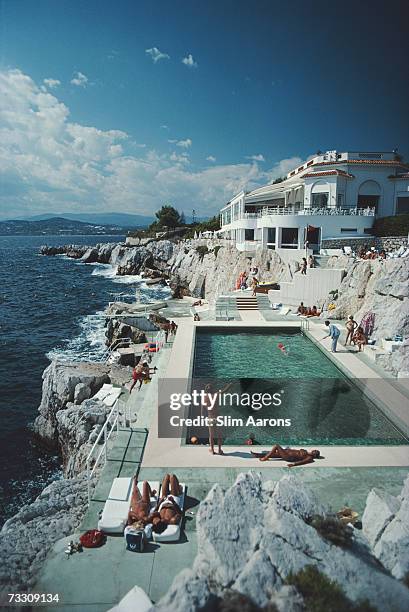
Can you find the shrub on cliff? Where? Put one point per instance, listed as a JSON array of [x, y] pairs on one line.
[[392, 226], [322, 594], [202, 250]]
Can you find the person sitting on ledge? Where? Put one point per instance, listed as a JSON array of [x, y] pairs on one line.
[[313, 312], [296, 456], [301, 310]]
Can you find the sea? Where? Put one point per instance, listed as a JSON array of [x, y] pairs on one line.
[[50, 308]]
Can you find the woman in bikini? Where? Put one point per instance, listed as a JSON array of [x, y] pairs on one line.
[[351, 325], [295, 455], [359, 338], [140, 507]]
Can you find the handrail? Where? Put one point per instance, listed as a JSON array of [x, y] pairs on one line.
[[103, 452], [108, 352], [305, 324]]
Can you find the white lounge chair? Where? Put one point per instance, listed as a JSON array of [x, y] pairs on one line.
[[172, 532], [115, 513], [108, 394]]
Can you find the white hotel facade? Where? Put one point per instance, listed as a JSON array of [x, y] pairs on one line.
[[331, 196]]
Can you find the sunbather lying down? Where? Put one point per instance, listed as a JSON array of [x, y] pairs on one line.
[[167, 511], [296, 456]]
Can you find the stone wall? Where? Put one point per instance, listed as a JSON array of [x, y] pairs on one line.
[[389, 243]]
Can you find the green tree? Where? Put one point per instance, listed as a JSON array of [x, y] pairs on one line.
[[168, 216], [278, 180]]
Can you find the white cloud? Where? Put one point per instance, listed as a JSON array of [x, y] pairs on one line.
[[185, 144], [283, 167], [79, 79], [257, 158], [49, 163], [211, 158], [189, 61], [51, 83], [156, 55], [181, 158]]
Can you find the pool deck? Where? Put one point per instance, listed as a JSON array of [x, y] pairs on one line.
[[171, 451]]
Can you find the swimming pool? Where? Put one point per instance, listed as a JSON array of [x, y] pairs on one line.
[[324, 405]]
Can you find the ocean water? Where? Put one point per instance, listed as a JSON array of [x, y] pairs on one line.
[[50, 307]]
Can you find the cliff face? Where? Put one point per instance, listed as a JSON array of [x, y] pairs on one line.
[[195, 267], [69, 420], [208, 271], [377, 286], [254, 535]]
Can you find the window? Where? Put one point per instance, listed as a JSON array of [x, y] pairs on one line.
[[320, 200], [289, 237], [271, 235], [248, 234], [349, 230], [368, 201], [402, 205]]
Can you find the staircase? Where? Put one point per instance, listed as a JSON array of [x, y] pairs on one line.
[[321, 261], [246, 303], [263, 302]]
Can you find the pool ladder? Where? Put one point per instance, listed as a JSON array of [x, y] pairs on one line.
[[305, 325]]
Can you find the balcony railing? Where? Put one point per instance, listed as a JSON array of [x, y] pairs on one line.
[[363, 212]]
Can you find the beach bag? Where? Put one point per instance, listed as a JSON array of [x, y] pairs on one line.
[[92, 538], [135, 540]]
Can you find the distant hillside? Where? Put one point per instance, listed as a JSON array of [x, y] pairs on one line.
[[56, 226], [109, 218]]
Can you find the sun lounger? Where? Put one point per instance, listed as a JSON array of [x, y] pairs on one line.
[[115, 513], [108, 394], [172, 532]]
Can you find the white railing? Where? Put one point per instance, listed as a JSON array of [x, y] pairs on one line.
[[111, 423], [361, 212], [305, 324], [248, 245], [125, 342]]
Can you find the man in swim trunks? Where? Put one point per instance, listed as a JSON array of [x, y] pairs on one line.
[[296, 456], [140, 373]]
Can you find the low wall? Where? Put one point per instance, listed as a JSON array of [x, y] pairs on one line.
[[389, 243], [312, 288]]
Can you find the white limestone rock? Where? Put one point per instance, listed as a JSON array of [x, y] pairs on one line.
[[379, 511], [81, 392], [252, 536], [59, 382], [26, 538], [390, 537], [78, 427]]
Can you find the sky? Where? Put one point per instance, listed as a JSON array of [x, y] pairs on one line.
[[128, 105]]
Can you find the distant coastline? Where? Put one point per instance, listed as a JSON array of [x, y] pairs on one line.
[[60, 226]]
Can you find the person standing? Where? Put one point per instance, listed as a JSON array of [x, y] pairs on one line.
[[351, 325], [311, 261], [304, 266], [333, 333]]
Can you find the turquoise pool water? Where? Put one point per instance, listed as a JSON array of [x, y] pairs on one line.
[[325, 407]]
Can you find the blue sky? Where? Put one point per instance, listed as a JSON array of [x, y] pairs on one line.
[[94, 121]]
